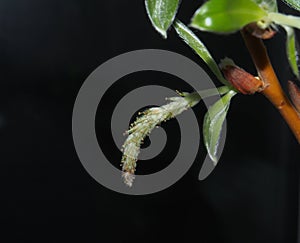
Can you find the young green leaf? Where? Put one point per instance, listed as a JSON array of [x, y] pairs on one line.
[[283, 19], [227, 16], [162, 14], [293, 3], [193, 41], [213, 122], [291, 49]]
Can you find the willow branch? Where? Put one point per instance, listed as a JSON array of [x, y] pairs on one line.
[[273, 90]]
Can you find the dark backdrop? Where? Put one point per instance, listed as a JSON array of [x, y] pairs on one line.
[[47, 49]]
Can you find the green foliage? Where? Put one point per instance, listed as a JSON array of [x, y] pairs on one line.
[[223, 16], [193, 41], [213, 123], [293, 3], [162, 14], [227, 16], [291, 49], [283, 19]]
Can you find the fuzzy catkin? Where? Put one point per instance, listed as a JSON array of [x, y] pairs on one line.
[[142, 127]]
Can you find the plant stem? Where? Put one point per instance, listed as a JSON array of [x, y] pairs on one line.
[[196, 96], [273, 90]]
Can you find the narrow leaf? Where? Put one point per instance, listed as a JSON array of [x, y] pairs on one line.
[[291, 49], [162, 14], [213, 123], [226, 16], [293, 3], [283, 19], [193, 41]]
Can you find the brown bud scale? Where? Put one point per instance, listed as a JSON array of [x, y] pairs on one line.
[[243, 81], [294, 92]]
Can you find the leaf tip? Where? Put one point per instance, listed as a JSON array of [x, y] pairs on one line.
[[162, 32], [214, 159]]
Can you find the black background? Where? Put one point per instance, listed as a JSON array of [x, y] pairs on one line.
[[47, 49]]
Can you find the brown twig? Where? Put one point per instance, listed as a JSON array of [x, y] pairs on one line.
[[273, 90]]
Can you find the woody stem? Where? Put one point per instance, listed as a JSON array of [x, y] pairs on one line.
[[273, 90]]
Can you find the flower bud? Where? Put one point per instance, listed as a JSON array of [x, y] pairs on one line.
[[241, 80]]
